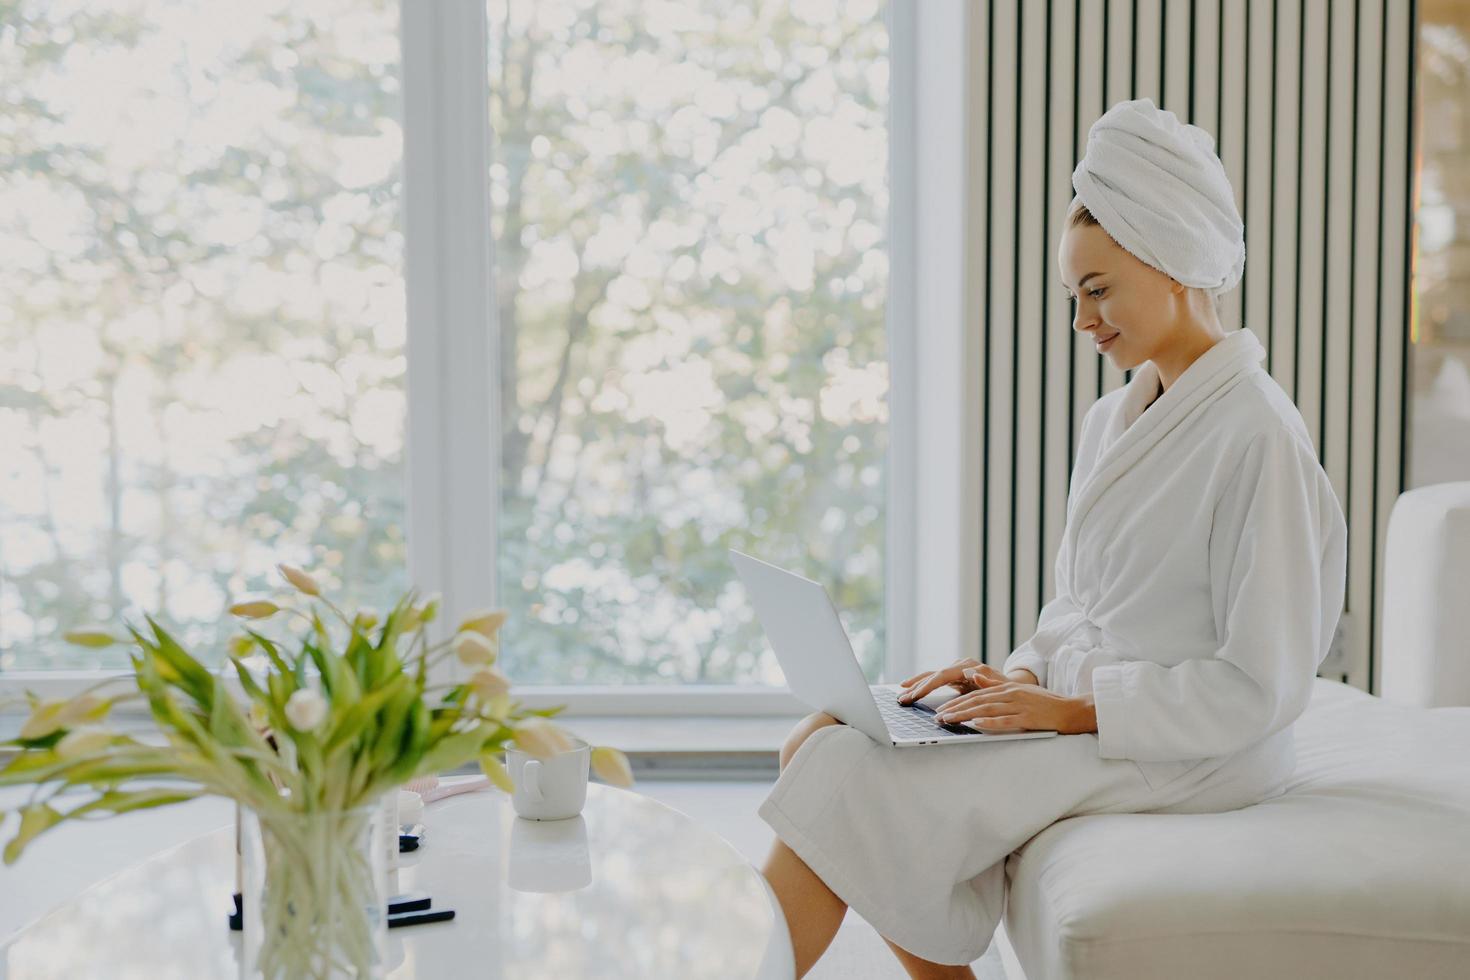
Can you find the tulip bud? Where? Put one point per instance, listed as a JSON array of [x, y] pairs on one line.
[[539, 737], [430, 608], [497, 706], [486, 622], [409, 620], [612, 766], [473, 649], [89, 637], [488, 682], [495, 769], [240, 646], [366, 618], [255, 609], [305, 710], [302, 581], [83, 741], [53, 716]]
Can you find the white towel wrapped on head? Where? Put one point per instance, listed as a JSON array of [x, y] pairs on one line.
[[1159, 190]]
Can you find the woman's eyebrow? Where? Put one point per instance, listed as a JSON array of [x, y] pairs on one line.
[[1083, 281]]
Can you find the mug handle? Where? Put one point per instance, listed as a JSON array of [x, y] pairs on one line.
[[533, 779]]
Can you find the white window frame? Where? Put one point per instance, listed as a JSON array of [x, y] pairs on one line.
[[453, 450]]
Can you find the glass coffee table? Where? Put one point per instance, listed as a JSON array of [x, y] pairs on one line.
[[630, 888]]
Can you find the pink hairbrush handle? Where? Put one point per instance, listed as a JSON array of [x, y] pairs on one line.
[[468, 786]]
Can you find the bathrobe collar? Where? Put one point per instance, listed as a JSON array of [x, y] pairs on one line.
[[1130, 432]]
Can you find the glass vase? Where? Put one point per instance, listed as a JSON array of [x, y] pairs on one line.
[[315, 894]]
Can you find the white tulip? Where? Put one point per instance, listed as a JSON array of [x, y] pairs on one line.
[[473, 648], [540, 738], [303, 582], [612, 766], [486, 622], [305, 710], [83, 741], [488, 682], [50, 716]]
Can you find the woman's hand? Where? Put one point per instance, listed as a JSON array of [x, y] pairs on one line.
[[1011, 706], [962, 675]]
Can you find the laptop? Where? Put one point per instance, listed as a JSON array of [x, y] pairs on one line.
[[816, 655]]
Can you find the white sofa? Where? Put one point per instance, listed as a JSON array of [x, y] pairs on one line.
[[1361, 869]]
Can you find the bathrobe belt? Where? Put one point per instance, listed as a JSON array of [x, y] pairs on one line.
[[1071, 628]]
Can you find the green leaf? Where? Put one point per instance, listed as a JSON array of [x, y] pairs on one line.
[[455, 750], [227, 723], [194, 677], [119, 801], [417, 735], [354, 720], [34, 821], [271, 651]]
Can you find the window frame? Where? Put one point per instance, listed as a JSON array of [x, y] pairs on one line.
[[452, 450]]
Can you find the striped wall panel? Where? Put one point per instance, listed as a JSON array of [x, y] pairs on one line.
[[1309, 103]]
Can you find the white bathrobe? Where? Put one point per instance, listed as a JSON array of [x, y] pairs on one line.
[[1199, 582], [1201, 573]]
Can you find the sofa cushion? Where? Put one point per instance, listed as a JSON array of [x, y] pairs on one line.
[[1360, 869]]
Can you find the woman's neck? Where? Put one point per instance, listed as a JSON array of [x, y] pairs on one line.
[[1192, 341]]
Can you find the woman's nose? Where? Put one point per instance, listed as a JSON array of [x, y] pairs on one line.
[[1083, 320]]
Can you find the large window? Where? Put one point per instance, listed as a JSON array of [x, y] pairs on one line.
[[202, 320], [201, 312], [1439, 434], [690, 203]]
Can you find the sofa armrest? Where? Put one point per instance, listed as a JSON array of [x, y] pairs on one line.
[[1426, 598]]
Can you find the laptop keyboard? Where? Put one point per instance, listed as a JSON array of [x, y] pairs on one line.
[[913, 720]]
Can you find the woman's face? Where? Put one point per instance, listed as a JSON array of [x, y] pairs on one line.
[[1127, 300]]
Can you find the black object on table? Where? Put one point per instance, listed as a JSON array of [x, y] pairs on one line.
[[419, 918]]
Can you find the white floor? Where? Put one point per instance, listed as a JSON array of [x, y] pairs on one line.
[[63, 862]]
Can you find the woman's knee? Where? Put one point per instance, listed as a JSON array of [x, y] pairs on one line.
[[802, 731]]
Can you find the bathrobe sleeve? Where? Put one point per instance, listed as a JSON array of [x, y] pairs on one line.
[[1027, 656], [1277, 570]]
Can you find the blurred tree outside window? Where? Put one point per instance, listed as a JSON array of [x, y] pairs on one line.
[[689, 212], [202, 320], [201, 312], [1439, 368]]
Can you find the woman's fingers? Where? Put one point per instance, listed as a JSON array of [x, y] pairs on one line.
[[966, 701], [919, 686], [1002, 723], [975, 712], [985, 676], [922, 683], [928, 682]]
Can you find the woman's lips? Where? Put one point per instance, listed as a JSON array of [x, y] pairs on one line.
[[1106, 342]]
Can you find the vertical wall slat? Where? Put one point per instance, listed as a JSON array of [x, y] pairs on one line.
[[1092, 41], [1339, 236], [1307, 279], [1286, 213], [1059, 375], [1391, 315], [1120, 85], [1000, 309], [1367, 261], [1030, 320], [1231, 137]]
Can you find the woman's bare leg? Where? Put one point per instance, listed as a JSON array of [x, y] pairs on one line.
[[813, 912], [922, 969]]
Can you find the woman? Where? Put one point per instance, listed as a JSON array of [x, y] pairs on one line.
[[1198, 585]]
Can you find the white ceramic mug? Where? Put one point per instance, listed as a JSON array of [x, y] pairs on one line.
[[554, 788]]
